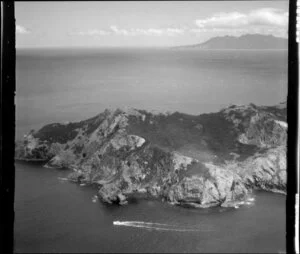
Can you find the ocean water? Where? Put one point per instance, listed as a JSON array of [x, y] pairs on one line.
[[72, 85], [53, 215]]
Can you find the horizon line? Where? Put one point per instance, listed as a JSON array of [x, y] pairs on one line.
[[141, 46]]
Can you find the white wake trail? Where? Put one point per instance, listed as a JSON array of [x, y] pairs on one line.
[[121, 223], [156, 226]]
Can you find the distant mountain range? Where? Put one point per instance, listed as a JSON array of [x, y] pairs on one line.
[[248, 41]]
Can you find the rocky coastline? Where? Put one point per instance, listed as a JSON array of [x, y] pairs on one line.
[[201, 161]]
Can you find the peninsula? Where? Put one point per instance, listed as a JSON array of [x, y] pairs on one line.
[[205, 160]]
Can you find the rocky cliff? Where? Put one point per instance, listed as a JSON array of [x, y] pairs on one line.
[[200, 161]]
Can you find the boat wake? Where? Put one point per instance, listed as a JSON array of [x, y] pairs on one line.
[[155, 226]]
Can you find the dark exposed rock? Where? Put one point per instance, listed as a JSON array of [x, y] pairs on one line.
[[199, 161]]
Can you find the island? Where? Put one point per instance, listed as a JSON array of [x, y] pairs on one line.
[[213, 159], [243, 42]]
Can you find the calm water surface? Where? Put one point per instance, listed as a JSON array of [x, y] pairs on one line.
[[69, 85], [57, 216]]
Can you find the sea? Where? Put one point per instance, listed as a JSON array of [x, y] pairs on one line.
[[66, 85]]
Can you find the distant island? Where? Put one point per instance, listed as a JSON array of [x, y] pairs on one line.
[[248, 41], [206, 160]]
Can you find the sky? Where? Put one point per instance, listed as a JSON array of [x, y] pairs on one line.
[[143, 24]]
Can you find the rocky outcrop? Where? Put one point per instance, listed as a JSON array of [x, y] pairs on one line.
[[31, 149], [257, 126], [222, 187], [200, 161], [266, 171]]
